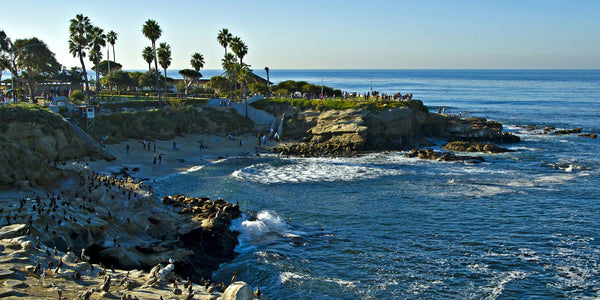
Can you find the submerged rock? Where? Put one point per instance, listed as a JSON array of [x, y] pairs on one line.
[[442, 156], [465, 146]]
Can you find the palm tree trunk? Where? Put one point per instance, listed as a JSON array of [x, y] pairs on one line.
[[165, 82], [108, 58], [87, 84], [114, 58], [97, 76], [156, 68]]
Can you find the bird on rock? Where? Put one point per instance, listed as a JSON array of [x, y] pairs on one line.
[[105, 287], [83, 256], [257, 292], [87, 294]]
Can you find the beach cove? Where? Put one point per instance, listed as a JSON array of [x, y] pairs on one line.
[[383, 225]]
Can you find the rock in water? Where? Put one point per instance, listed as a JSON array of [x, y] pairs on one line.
[[239, 290]]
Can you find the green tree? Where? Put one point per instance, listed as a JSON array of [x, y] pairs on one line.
[[152, 31], [111, 38], [164, 59], [148, 56], [77, 96], [97, 40], [79, 29], [5, 48], [118, 79], [103, 67], [189, 76], [74, 76], [218, 83], [135, 79], [36, 61]]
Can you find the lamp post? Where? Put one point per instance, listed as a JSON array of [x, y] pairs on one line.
[[268, 90]]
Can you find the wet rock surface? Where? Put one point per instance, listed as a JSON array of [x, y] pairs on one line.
[[442, 156], [464, 146]]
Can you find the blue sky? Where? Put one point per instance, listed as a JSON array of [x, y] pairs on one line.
[[335, 34]]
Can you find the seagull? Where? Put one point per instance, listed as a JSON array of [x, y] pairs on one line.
[[155, 270], [150, 282], [42, 276]]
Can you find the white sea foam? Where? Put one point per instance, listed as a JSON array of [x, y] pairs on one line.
[[498, 284], [314, 170], [288, 276], [266, 226]]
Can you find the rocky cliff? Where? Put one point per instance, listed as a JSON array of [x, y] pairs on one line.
[[32, 140]]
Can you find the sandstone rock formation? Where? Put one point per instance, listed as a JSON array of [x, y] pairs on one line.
[[348, 132]]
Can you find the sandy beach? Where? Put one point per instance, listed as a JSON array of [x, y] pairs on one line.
[[192, 151]]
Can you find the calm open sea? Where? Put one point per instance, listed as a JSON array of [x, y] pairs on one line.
[[381, 226]]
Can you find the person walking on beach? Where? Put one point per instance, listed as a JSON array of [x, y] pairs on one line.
[[159, 159], [154, 147], [127, 148], [154, 162], [144, 143], [149, 146]]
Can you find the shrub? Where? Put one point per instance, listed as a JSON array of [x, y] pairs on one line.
[[77, 96]]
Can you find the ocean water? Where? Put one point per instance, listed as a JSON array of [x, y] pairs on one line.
[[382, 226]]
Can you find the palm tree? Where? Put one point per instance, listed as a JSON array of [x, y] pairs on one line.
[[148, 56], [240, 49], [111, 38], [152, 31], [164, 58], [197, 61], [97, 40], [79, 29], [224, 38], [228, 62], [244, 76]]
